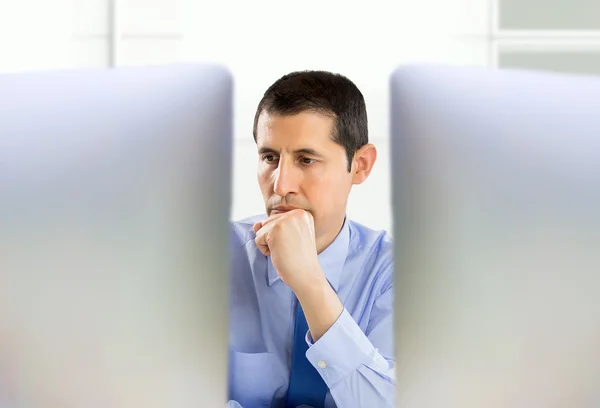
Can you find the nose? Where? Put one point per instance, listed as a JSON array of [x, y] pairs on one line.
[[287, 179]]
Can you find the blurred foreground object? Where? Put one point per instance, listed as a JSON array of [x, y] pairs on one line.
[[114, 208], [496, 189]]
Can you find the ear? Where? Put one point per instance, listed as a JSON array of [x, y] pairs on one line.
[[363, 162]]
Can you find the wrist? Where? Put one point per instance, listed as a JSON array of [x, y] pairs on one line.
[[310, 285], [322, 306], [313, 293]]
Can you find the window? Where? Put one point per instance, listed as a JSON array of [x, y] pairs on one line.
[[125, 32], [548, 35]]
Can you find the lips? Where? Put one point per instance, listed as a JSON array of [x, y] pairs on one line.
[[278, 210]]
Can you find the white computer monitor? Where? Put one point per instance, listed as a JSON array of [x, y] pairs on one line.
[[496, 197], [114, 209]]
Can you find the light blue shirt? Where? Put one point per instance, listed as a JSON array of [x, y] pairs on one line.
[[355, 356]]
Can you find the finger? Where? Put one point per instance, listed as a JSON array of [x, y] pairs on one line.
[[262, 246], [261, 241], [273, 217], [260, 238], [266, 221], [264, 250]]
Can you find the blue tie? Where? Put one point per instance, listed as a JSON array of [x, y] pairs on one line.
[[306, 384]]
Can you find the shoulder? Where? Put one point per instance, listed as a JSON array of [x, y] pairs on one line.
[[376, 247], [375, 243]]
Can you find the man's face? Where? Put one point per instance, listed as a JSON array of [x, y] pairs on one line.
[[300, 166]]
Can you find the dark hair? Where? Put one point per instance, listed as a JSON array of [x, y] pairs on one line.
[[325, 93]]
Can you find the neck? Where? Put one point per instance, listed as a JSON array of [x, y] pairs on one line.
[[325, 239]]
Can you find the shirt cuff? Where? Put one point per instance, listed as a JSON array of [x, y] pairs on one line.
[[340, 351]]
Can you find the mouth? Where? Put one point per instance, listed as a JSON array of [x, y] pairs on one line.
[[280, 210]]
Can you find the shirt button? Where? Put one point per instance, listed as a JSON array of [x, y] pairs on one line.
[[322, 364]]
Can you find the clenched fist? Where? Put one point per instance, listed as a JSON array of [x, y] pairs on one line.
[[289, 238]]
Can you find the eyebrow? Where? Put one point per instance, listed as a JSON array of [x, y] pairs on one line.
[[306, 150]]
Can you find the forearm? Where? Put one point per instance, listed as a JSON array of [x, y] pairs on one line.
[[321, 305], [357, 373]]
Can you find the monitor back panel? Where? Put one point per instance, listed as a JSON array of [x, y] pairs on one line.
[[114, 207], [496, 189]]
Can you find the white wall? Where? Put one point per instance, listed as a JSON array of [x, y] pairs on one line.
[[259, 40], [34, 34], [262, 40]]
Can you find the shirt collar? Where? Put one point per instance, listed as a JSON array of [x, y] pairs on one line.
[[332, 259]]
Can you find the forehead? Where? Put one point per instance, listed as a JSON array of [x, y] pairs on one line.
[[305, 129]]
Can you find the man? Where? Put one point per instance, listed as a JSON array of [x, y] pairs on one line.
[[311, 291]]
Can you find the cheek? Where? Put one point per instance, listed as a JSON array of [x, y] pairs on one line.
[[327, 189], [264, 178], [329, 177]]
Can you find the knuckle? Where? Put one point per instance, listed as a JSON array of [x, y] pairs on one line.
[[307, 216], [298, 213]]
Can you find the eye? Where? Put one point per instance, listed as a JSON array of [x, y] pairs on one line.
[[307, 161], [269, 158]]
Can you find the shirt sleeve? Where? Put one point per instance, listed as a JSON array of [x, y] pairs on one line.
[[358, 368]]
